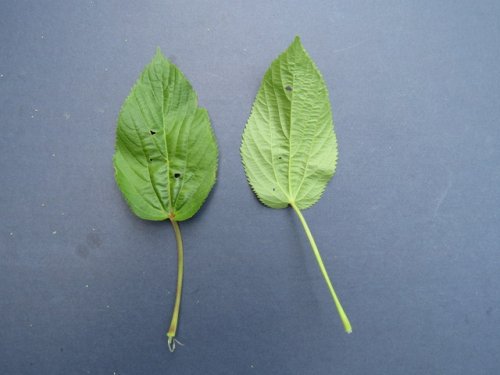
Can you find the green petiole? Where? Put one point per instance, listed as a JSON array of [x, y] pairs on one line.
[[342, 314], [180, 271]]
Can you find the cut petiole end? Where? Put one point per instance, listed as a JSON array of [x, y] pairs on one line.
[[340, 309], [345, 321], [171, 342]]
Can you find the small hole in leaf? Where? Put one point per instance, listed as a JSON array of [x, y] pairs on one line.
[[177, 175], [150, 159], [152, 132], [288, 88]]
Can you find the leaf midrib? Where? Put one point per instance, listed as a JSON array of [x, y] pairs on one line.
[[167, 160], [272, 139]]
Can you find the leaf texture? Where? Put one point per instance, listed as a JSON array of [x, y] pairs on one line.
[[289, 149], [166, 154]]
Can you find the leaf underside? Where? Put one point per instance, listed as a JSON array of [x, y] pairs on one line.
[[289, 149], [166, 154]]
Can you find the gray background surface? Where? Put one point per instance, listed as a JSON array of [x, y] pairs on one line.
[[409, 226]]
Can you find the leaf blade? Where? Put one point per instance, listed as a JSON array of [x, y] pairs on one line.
[[154, 164], [288, 143]]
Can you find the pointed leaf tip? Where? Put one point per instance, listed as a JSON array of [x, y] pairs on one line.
[[159, 54], [297, 42], [296, 45]]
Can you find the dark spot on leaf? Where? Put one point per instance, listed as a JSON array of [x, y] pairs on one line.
[[177, 175], [150, 159], [274, 189], [279, 158], [152, 132], [288, 88]]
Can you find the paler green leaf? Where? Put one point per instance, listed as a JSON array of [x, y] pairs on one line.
[[166, 154], [289, 148]]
